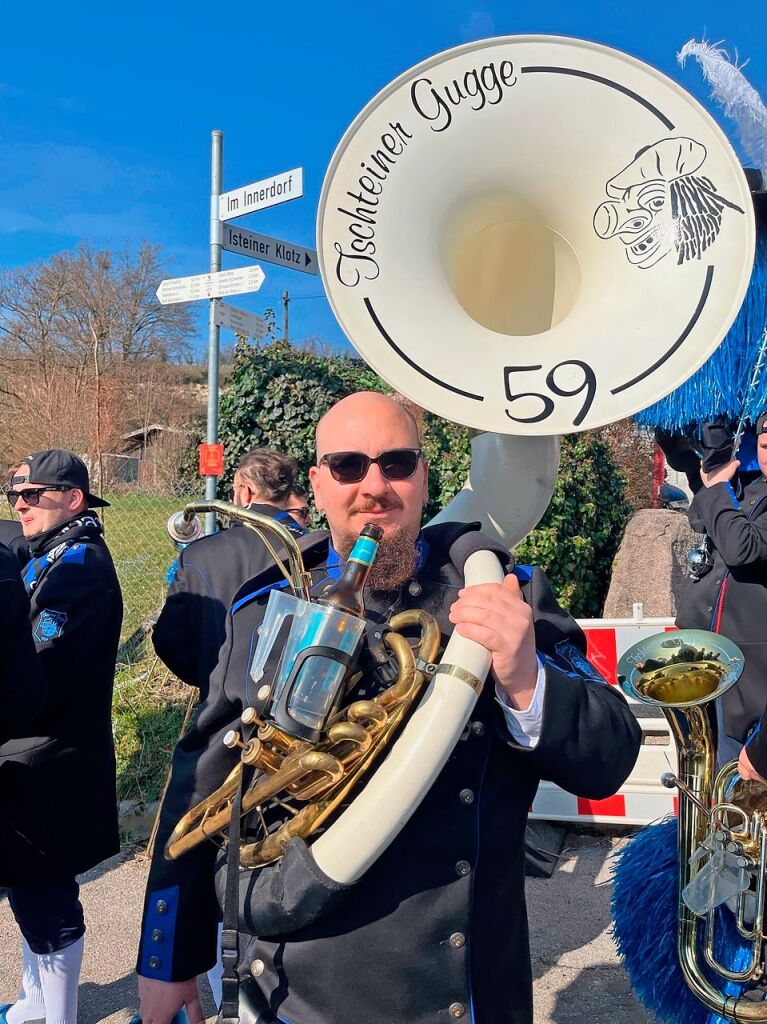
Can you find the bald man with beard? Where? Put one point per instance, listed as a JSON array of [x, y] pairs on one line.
[[436, 929]]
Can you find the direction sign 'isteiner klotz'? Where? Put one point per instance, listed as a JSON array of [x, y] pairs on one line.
[[269, 192], [210, 286], [273, 250]]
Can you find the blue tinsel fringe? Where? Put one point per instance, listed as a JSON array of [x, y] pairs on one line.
[[644, 910], [720, 386]]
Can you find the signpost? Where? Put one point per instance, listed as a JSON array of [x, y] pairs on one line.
[[272, 250], [209, 286], [280, 188], [240, 321]]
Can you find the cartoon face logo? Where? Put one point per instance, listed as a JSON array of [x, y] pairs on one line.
[[660, 204]]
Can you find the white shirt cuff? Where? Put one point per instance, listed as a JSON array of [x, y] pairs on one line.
[[525, 726]]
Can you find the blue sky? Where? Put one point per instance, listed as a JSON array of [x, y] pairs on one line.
[[106, 110]]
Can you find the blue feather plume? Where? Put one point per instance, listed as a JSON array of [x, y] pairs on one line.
[[720, 386], [644, 912]]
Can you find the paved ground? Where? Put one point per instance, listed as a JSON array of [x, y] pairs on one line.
[[577, 977]]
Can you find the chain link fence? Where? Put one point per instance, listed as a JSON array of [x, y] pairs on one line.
[[141, 500]]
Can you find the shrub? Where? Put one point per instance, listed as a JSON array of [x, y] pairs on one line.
[[578, 537]]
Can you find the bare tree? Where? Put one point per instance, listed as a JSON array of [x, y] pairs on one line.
[[81, 333]]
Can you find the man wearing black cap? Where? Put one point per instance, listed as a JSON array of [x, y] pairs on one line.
[[58, 779], [731, 598]]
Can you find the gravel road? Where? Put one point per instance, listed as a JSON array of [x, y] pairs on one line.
[[578, 979]]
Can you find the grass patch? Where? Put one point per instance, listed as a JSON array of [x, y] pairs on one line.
[[148, 708]]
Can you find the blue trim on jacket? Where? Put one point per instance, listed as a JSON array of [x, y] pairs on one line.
[[159, 934], [279, 585]]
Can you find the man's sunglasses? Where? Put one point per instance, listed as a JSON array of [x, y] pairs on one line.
[[300, 513], [351, 467], [31, 495]]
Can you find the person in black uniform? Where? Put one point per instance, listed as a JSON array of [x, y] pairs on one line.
[[58, 777], [731, 598], [436, 929], [190, 629], [22, 687], [12, 536]]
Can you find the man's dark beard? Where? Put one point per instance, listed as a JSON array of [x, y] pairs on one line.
[[394, 563]]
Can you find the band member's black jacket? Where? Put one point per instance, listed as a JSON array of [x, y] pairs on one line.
[[191, 627], [58, 776], [12, 536], [731, 598], [436, 929], [22, 686]]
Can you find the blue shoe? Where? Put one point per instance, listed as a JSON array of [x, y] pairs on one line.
[[4, 1012]]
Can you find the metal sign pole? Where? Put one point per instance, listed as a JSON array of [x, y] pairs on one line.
[[216, 183]]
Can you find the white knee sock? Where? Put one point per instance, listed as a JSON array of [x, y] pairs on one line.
[[29, 1004], [59, 978]]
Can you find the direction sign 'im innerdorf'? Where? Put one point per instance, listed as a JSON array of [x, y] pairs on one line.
[[210, 286], [273, 250], [280, 188]]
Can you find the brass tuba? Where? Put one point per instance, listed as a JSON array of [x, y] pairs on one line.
[[722, 830], [311, 780]]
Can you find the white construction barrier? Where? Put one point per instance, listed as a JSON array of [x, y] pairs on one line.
[[642, 798]]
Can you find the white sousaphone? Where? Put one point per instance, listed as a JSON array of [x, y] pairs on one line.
[[529, 235]]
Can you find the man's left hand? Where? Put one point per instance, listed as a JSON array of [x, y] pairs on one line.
[[746, 770], [496, 616]]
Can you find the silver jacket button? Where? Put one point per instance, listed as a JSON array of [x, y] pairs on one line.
[[155, 962], [466, 796], [457, 940], [456, 1010], [463, 868], [414, 588], [478, 728], [161, 906], [257, 968], [157, 935]]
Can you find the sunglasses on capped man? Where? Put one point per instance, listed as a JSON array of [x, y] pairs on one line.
[[31, 495], [351, 467]]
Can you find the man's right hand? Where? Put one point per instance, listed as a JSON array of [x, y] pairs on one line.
[[746, 769], [160, 1001], [721, 475]]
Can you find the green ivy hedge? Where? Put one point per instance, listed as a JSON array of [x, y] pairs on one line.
[[276, 394]]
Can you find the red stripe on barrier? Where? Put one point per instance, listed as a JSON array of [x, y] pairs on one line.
[[613, 806], [676, 806], [601, 652]]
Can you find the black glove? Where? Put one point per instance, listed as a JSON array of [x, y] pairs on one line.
[[680, 456], [716, 440]]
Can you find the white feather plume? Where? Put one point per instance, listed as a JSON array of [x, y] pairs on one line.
[[735, 94]]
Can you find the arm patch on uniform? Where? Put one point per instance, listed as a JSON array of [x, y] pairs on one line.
[[578, 662], [50, 625]]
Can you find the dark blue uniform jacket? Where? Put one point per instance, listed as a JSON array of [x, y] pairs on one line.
[[437, 928]]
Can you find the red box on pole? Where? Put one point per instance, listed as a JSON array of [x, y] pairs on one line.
[[211, 459]]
